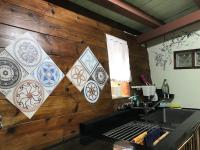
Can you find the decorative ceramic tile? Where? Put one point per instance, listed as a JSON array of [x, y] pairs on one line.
[[88, 60], [48, 74], [78, 75], [91, 91], [27, 52], [27, 84], [28, 96], [11, 73], [100, 76]]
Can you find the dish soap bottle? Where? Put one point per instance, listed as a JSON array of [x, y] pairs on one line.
[[165, 89]]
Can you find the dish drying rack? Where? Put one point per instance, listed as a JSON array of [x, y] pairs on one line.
[[130, 130]]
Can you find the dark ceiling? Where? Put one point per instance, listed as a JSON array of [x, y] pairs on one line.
[[133, 16], [164, 10]]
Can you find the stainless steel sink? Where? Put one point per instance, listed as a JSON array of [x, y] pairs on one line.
[[170, 118]]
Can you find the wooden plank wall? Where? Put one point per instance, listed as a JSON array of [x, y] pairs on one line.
[[63, 35]]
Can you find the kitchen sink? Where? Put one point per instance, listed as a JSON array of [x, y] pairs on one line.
[[128, 124], [169, 118]]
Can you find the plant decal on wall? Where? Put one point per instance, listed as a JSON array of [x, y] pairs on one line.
[[165, 51]]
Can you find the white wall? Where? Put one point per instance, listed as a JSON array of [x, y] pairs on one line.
[[184, 83]]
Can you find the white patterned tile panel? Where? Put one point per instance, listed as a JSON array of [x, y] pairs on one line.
[[11, 73], [88, 60], [48, 74], [26, 50], [100, 76], [91, 91], [28, 96], [78, 75]]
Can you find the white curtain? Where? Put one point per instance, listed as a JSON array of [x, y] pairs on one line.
[[118, 55]]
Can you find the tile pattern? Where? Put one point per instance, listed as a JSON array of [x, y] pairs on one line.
[[27, 74], [88, 75], [91, 91], [11, 73], [100, 76], [48, 74], [28, 96], [78, 75], [88, 60], [27, 52]]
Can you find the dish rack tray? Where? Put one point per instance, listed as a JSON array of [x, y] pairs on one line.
[[129, 130]]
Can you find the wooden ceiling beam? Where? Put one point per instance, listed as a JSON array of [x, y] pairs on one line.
[[197, 2], [85, 12], [129, 11], [174, 25]]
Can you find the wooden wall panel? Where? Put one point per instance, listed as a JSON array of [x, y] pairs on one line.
[[63, 35]]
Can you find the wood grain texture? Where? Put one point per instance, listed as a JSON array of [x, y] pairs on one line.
[[63, 35]]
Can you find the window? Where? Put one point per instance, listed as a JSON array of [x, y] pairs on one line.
[[119, 66]]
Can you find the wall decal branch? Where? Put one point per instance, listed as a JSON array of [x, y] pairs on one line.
[[165, 51]]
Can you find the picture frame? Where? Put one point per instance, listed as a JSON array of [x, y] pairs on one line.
[[187, 59], [197, 58], [183, 59]]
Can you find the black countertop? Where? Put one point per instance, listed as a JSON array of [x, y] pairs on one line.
[[180, 134], [74, 144], [171, 142]]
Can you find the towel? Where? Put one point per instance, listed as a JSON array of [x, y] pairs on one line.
[[152, 135]]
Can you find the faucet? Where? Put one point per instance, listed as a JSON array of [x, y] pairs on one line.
[[148, 109], [152, 108], [156, 104]]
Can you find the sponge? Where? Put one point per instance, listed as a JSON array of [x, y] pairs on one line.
[[140, 138], [174, 105]]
